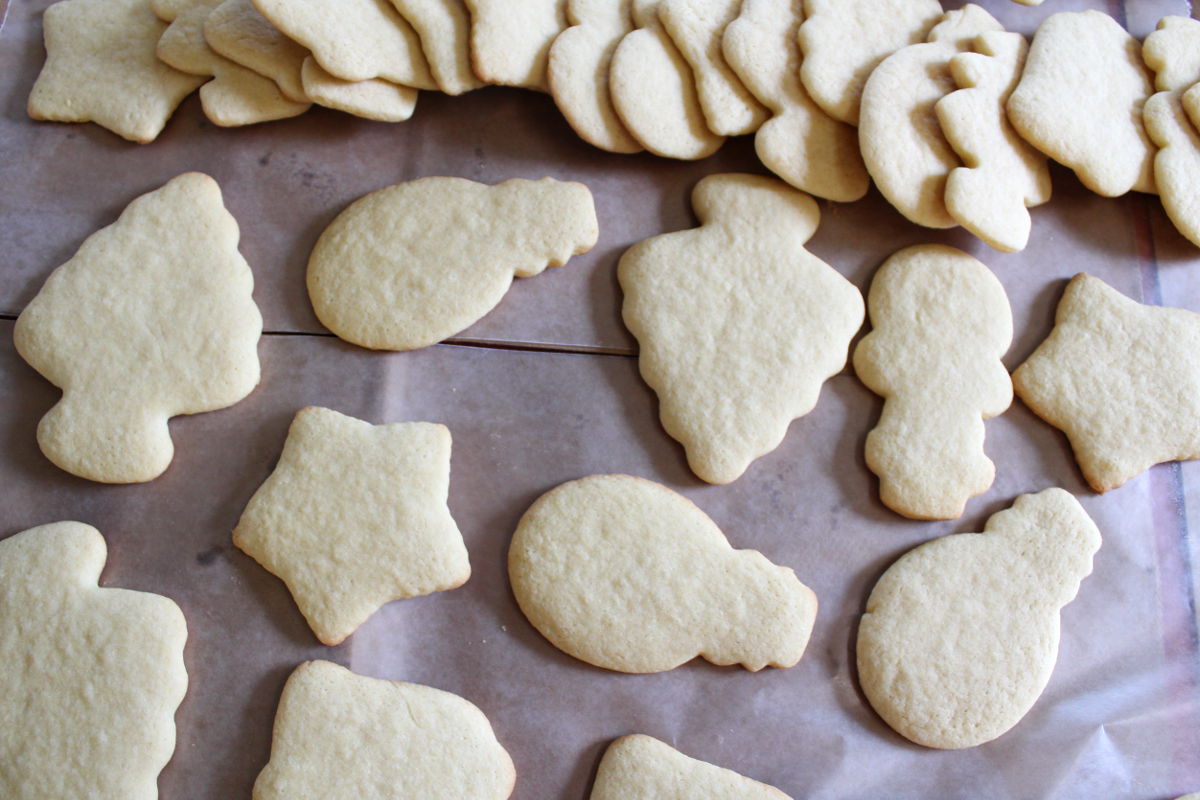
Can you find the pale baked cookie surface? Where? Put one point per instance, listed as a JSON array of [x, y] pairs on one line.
[[89, 678], [373, 99], [1120, 379], [338, 734], [941, 322], [412, 264], [961, 634], [444, 27], [800, 143], [1173, 52], [101, 67], [625, 574], [355, 516], [510, 42], [640, 767], [738, 326], [238, 31], [1080, 101], [151, 318]]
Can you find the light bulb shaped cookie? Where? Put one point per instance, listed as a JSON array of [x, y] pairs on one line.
[[625, 574], [961, 634], [1173, 52], [941, 324], [151, 318], [640, 767], [738, 325], [412, 264]]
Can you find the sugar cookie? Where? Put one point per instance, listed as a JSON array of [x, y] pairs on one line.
[[696, 26], [101, 67], [510, 42], [355, 516], [1003, 175], [1120, 379], [941, 323], [237, 30], [961, 634], [151, 318], [401, 268], [844, 40], [640, 767], [1191, 104], [577, 72], [1173, 51], [445, 30], [338, 734], [625, 574], [801, 143], [373, 99], [654, 93], [89, 678], [738, 325], [1080, 101]]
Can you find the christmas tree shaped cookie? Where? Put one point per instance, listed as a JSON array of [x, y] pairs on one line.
[[640, 767]]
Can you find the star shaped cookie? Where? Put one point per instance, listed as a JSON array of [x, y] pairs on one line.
[[1121, 379]]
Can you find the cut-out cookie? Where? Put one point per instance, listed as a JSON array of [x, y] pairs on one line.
[[237, 30], [89, 678], [577, 71], [1080, 101], [801, 143], [1173, 52], [355, 516], [343, 735], [1004, 176], [625, 574], [355, 40], [101, 67], [640, 767], [235, 95], [373, 99], [401, 268], [445, 30], [844, 40], [901, 140], [941, 324], [961, 634], [738, 325], [151, 318], [1191, 104], [654, 93], [1120, 379], [696, 26], [510, 42]]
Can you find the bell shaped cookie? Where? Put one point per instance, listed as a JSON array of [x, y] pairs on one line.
[[89, 678], [151, 318], [510, 42], [961, 634], [1173, 51], [738, 325], [625, 574], [640, 767]]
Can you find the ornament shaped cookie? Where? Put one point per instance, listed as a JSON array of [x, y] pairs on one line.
[[101, 67], [445, 30], [1173, 52], [844, 40], [1003, 176], [640, 767], [510, 42], [89, 678], [625, 574], [941, 322], [355, 516], [654, 92], [151, 318], [338, 734], [696, 26], [800, 143], [901, 140], [398, 269], [1080, 101], [961, 634], [238, 31], [1120, 379], [577, 72], [373, 99], [355, 40], [738, 325]]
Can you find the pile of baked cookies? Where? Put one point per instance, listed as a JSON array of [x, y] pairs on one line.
[[948, 114]]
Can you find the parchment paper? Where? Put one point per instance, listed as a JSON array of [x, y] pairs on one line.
[[1120, 717]]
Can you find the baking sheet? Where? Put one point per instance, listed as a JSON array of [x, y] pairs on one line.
[[1120, 718]]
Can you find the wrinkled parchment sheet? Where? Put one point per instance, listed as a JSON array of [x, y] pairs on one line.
[[1120, 717]]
